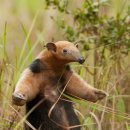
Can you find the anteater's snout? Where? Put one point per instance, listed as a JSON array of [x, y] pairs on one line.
[[81, 60]]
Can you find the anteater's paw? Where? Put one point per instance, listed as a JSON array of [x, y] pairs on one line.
[[95, 94], [19, 99], [100, 94]]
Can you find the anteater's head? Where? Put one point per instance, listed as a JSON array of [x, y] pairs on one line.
[[65, 51]]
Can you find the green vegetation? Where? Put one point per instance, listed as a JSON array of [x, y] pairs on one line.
[[102, 30]]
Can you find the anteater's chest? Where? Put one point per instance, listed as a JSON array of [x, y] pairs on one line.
[[53, 88], [52, 81], [54, 77]]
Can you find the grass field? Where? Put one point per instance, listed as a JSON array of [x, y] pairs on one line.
[[25, 27]]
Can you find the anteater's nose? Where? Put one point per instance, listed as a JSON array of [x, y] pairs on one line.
[[81, 60]]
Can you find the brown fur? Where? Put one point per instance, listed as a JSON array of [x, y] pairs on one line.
[[45, 82]]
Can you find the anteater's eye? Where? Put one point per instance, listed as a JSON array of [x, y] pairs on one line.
[[64, 50]]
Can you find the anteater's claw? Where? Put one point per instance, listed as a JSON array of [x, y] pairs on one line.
[[18, 99], [100, 94]]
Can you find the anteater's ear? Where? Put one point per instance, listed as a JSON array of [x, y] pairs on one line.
[[51, 46]]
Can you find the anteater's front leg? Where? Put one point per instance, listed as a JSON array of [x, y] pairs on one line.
[[27, 87], [79, 88]]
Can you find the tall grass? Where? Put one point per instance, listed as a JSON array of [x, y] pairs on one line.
[[9, 74], [107, 69]]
